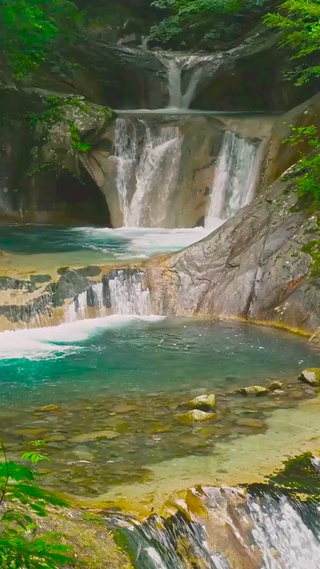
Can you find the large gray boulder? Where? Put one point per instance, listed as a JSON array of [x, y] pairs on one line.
[[252, 267]]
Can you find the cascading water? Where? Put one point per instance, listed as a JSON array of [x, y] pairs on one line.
[[122, 291], [146, 179], [126, 153], [128, 295], [185, 72], [228, 531], [235, 177], [178, 99]]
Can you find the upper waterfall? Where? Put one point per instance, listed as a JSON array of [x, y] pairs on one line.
[[185, 73], [146, 176], [178, 171], [235, 177]]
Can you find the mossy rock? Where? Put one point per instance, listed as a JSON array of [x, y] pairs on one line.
[[197, 416], [310, 375], [203, 402]]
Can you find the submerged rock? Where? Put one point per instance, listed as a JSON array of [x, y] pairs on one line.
[[87, 437], [54, 408], [275, 385], [203, 402], [197, 416], [252, 423], [310, 375], [253, 390]]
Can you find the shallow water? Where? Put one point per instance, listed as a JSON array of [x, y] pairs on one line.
[[118, 387]]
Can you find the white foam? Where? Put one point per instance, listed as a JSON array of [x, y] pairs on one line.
[[57, 341], [144, 242]]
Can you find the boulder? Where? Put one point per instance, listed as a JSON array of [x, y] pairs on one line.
[[197, 416], [310, 375], [256, 390], [203, 402]]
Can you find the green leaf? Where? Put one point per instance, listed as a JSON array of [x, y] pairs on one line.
[[34, 457]]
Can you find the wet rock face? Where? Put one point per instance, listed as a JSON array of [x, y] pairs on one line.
[[126, 78], [251, 267], [250, 77]]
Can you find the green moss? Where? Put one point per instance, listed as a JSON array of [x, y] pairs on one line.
[[76, 140], [298, 477], [313, 249], [88, 517], [93, 543]]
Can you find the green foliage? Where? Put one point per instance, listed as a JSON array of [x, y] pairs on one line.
[[20, 498], [76, 141], [202, 22], [56, 113], [30, 29], [299, 22], [308, 180]]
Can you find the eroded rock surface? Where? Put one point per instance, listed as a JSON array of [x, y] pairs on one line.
[[251, 267]]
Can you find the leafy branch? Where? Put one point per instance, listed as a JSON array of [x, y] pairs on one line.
[[21, 547]]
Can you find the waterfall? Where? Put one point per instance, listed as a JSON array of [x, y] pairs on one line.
[[228, 530], [125, 151], [122, 291], [128, 295], [146, 176], [185, 72], [235, 177], [174, 84], [178, 99]]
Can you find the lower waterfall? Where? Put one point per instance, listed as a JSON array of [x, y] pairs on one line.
[[122, 291], [235, 177], [146, 178], [128, 294], [228, 530]]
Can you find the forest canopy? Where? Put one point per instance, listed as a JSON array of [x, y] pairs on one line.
[[31, 29], [204, 22]]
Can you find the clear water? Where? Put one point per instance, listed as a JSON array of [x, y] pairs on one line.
[[120, 355], [130, 377]]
